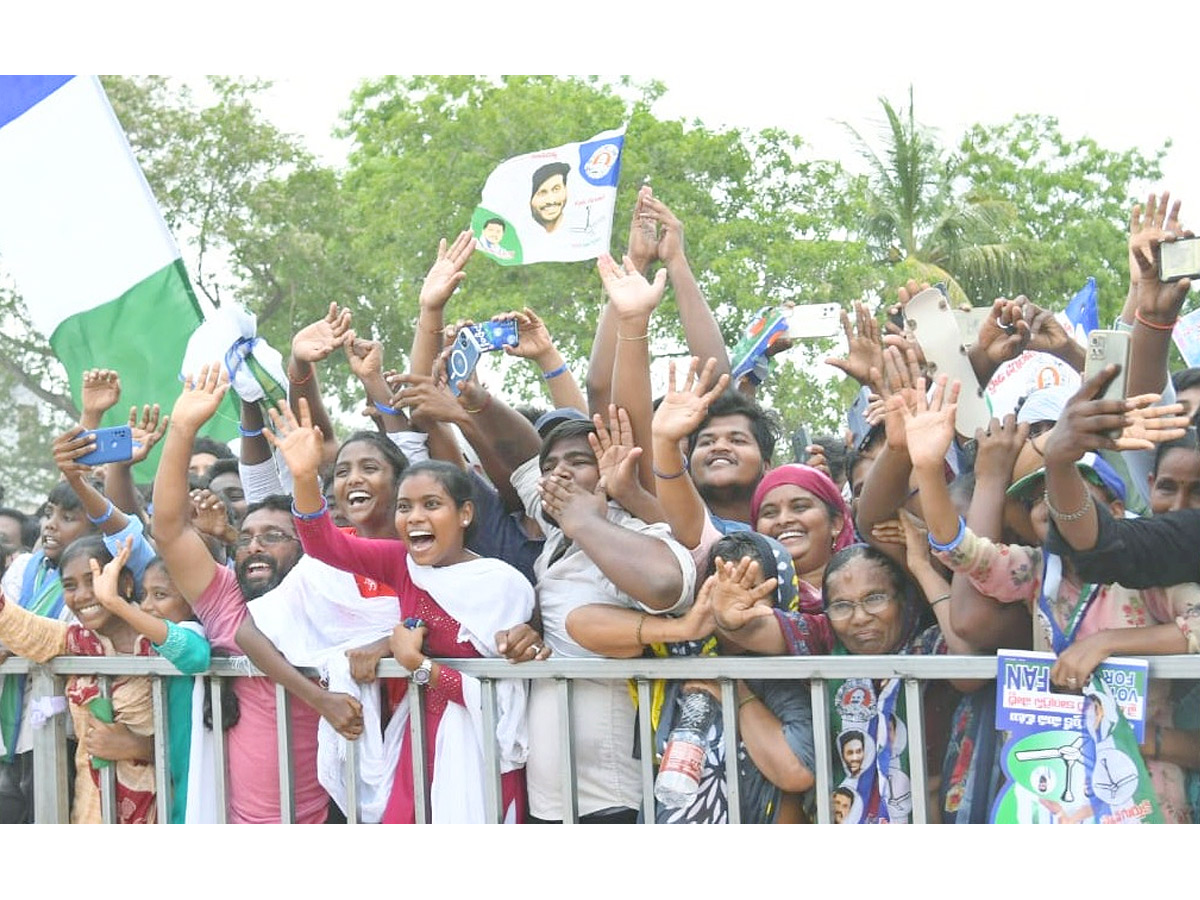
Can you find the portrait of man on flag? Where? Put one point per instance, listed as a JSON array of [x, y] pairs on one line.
[[551, 205]]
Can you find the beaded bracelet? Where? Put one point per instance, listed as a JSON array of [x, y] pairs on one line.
[[952, 545], [554, 373], [305, 380], [104, 518], [1069, 517], [308, 517], [246, 433]]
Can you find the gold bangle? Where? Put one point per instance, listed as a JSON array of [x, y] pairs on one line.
[[640, 337], [749, 699], [637, 634], [481, 407]]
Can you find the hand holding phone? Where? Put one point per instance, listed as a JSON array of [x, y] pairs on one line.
[[463, 358], [112, 445]]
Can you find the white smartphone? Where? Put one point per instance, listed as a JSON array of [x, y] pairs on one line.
[[1179, 259], [1106, 347]]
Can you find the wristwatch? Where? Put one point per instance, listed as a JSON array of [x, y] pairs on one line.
[[422, 673]]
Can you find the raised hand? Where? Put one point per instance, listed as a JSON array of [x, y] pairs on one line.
[[101, 391], [930, 430], [1046, 333], [533, 337], [315, 342], [738, 597], [901, 379], [202, 394], [300, 442], [1143, 224], [146, 430], [210, 516], [1159, 302], [685, 405], [106, 581], [643, 234], [670, 238], [68, 447], [427, 399], [864, 347], [446, 273], [1004, 334], [700, 620], [631, 295], [998, 446], [365, 357], [1150, 424], [616, 453]]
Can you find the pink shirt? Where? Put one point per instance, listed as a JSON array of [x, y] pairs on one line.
[[251, 744]]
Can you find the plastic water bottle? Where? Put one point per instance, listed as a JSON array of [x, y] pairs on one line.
[[679, 773]]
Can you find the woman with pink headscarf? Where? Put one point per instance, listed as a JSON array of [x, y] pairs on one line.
[[800, 507]]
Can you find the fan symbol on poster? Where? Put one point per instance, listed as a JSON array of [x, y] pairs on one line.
[[601, 161]]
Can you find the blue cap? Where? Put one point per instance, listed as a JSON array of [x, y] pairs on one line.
[[1092, 466], [547, 421]]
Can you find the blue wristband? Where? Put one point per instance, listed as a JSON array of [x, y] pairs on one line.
[[248, 434], [104, 518], [554, 373], [386, 410], [308, 517], [953, 545]]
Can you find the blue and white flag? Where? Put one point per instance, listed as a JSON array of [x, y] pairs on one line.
[[551, 205], [1082, 310]]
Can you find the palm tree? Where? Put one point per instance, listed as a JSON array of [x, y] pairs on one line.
[[914, 219]]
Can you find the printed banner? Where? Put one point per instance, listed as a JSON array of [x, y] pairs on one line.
[[552, 205], [1072, 758], [1187, 337]]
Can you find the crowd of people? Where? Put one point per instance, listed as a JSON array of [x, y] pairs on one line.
[[461, 526]]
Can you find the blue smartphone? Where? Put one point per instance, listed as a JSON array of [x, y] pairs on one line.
[[495, 335], [463, 359], [112, 445]]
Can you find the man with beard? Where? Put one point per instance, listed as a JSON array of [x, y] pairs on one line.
[[265, 552]]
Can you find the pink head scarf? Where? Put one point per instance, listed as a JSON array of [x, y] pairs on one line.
[[815, 482]]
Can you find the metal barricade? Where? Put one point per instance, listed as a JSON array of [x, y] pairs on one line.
[[50, 763]]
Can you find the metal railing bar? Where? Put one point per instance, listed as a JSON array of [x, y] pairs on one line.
[[216, 692], [822, 751], [416, 724], [729, 716], [646, 742], [162, 754], [570, 790], [108, 775], [492, 793], [918, 776], [283, 736]]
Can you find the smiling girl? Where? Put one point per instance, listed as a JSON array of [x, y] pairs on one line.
[[128, 740], [453, 602]]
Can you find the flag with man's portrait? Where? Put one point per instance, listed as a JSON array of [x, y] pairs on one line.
[[552, 205]]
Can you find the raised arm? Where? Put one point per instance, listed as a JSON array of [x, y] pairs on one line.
[[536, 344], [700, 327], [680, 413], [366, 362], [312, 344], [188, 561], [147, 430], [633, 299]]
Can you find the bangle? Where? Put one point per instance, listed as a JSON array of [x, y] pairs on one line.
[[1069, 517], [305, 380], [934, 603], [669, 476], [952, 545], [640, 337], [554, 373], [103, 518], [386, 410], [637, 634], [481, 407], [247, 433], [308, 517], [749, 699], [1137, 315]]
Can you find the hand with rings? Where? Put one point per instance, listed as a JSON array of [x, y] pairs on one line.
[[521, 643]]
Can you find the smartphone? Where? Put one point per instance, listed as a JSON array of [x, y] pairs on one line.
[[112, 445], [1106, 347], [1179, 259], [464, 357], [813, 320], [495, 335], [800, 444]]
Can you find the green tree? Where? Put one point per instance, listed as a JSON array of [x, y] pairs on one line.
[[1074, 198], [917, 221]]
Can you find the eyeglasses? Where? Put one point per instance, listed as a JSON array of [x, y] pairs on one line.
[[872, 605], [265, 538]]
